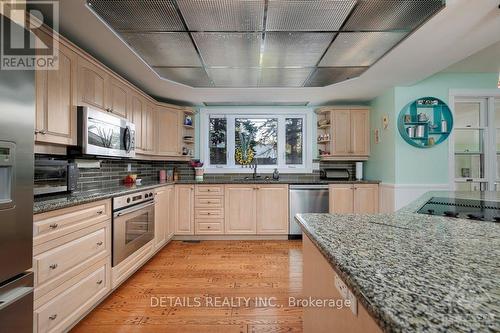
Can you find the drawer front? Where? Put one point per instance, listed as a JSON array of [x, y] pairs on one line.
[[207, 213], [209, 190], [61, 311], [48, 226], [55, 262], [209, 227], [209, 202]]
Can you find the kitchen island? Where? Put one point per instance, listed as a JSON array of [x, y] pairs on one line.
[[410, 272]]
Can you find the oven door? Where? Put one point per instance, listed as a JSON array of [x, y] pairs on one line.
[[132, 228]]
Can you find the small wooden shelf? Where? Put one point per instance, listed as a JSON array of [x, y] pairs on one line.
[[323, 142], [189, 126], [324, 126], [188, 141]]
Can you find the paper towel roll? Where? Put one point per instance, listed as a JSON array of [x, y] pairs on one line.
[[359, 170]]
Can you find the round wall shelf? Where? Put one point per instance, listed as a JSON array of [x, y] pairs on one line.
[[425, 122]]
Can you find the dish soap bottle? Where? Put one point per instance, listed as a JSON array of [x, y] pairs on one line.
[[276, 174]]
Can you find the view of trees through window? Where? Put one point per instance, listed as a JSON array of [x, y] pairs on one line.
[[256, 139], [218, 140]]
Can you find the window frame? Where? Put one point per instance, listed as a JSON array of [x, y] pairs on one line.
[[281, 114]]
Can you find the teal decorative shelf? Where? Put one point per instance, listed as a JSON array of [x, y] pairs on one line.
[[431, 134]]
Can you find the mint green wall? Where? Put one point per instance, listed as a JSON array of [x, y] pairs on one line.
[[381, 164], [430, 166]]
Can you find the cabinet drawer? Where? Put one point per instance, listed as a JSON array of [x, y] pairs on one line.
[[209, 190], [50, 264], [207, 213], [70, 303], [50, 225], [209, 202], [209, 227]]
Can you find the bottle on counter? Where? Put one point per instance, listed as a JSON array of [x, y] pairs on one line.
[[276, 174], [176, 174]]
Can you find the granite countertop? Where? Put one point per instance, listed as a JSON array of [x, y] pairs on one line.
[[414, 272], [53, 202]]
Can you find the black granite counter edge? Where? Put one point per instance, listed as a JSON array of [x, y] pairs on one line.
[[345, 275], [270, 181]]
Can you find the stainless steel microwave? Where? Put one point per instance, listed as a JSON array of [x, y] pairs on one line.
[[103, 134]]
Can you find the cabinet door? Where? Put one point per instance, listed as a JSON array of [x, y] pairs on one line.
[[161, 217], [366, 199], [171, 212], [272, 209], [136, 110], [360, 132], [341, 136], [91, 84], [184, 217], [341, 198], [116, 98], [56, 100], [239, 210], [148, 132], [169, 134]]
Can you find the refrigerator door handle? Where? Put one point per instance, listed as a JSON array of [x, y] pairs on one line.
[[12, 296]]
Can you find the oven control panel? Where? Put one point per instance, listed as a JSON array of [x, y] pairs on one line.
[[132, 199]]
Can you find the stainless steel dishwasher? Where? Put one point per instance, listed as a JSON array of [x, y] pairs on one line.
[[306, 199]]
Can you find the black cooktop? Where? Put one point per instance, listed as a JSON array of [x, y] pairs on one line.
[[463, 208]]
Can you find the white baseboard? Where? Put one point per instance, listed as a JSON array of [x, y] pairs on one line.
[[396, 196]]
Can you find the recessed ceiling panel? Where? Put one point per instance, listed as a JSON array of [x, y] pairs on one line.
[[223, 15], [325, 76], [138, 15], [229, 49], [284, 77], [285, 49], [360, 48], [190, 76], [379, 15], [164, 49], [234, 77], [307, 15]]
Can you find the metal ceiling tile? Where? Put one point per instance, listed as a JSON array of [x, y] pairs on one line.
[[234, 77], [223, 15], [284, 77], [286, 49], [138, 15], [164, 49], [229, 49], [190, 76], [360, 48], [325, 76], [391, 14], [307, 15]]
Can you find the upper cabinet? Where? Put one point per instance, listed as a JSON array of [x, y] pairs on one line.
[[92, 81], [169, 121], [344, 133], [137, 105], [116, 99]]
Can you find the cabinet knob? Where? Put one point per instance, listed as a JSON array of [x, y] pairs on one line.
[[99, 282], [43, 132], [208, 190], [37, 131], [99, 243], [53, 266], [53, 317], [208, 227], [100, 212], [53, 226]]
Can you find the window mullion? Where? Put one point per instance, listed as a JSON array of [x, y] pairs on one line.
[[281, 142], [230, 142]]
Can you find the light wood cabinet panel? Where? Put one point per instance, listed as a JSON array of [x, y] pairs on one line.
[[132, 263], [117, 97], [162, 215], [360, 132], [240, 212], [341, 136], [56, 99], [184, 217], [341, 198], [136, 116], [169, 131], [148, 128], [272, 209], [366, 199], [92, 83]]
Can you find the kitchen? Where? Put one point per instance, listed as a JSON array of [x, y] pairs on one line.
[[266, 166]]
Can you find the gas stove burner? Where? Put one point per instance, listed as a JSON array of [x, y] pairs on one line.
[[476, 210]]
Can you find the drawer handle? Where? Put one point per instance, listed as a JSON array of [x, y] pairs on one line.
[[99, 243], [53, 226], [53, 317], [53, 266], [99, 282], [100, 212]]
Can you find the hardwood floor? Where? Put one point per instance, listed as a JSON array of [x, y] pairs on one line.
[[231, 280]]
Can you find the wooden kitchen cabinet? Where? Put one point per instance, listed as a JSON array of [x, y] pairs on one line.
[[163, 228], [353, 198], [169, 131], [360, 132], [184, 210], [240, 209], [148, 128], [116, 98], [56, 99], [272, 209], [136, 111], [341, 136], [92, 81]]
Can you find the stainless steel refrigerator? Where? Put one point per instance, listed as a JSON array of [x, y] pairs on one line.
[[17, 114]]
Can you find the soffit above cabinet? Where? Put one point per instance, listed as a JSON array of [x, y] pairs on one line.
[[262, 43]]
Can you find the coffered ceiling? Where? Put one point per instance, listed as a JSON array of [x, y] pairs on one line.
[[262, 43]]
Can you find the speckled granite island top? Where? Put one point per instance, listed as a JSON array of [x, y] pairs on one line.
[[414, 272]]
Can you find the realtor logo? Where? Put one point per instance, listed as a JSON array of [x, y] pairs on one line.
[[23, 44]]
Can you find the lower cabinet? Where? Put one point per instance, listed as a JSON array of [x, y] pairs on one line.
[[354, 198], [184, 210], [240, 209], [272, 209], [163, 216]]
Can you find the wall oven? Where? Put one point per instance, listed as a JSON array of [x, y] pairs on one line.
[[133, 223], [103, 134]]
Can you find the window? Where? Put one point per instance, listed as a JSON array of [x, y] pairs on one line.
[[235, 140]]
